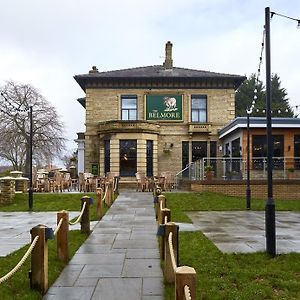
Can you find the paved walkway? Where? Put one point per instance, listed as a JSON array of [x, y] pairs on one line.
[[244, 231], [119, 260]]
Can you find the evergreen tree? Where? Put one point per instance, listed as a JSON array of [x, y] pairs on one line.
[[245, 93]]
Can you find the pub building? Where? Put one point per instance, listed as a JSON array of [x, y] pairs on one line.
[[153, 119]]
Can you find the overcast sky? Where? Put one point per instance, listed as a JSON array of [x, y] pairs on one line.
[[47, 42]]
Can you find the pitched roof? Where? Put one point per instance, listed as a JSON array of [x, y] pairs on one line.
[[155, 72], [158, 71]]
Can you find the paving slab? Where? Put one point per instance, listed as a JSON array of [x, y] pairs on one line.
[[120, 259], [15, 228], [244, 231]]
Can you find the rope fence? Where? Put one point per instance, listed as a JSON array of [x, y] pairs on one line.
[[38, 248], [184, 277], [187, 293], [21, 262], [105, 194], [80, 216], [174, 264], [58, 226]]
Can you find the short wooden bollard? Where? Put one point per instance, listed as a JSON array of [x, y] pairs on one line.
[[108, 194], [164, 213], [185, 276], [169, 272], [39, 258], [111, 193], [99, 194], [161, 204], [62, 236], [116, 184], [85, 219]]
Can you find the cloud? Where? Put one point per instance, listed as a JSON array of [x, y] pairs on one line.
[[46, 43]]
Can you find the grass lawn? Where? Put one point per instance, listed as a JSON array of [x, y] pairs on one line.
[[232, 276], [52, 202], [17, 287]]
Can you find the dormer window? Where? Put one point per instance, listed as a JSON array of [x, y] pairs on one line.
[[129, 107], [199, 108]]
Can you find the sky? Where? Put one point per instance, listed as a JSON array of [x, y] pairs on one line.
[[45, 43]]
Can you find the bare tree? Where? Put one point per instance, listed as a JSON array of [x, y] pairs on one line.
[[48, 140]]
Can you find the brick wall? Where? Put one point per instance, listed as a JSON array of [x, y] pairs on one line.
[[282, 189]]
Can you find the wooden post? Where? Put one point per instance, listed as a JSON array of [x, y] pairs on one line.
[[161, 204], [185, 276], [164, 213], [169, 272], [99, 203], [62, 236], [111, 192], [39, 259], [85, 219], [116, 183], [108, 194]]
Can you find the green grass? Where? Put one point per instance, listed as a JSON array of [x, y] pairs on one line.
[[252, 276], [181, 202], [17, 287], [51, 202]]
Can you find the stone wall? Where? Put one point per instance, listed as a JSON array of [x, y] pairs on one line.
[[7, 187], [282, 189], [105, 104]]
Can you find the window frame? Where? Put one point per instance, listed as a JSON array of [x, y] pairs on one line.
[[128, 111], [199, 110]]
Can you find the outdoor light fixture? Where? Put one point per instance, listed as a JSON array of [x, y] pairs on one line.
[[298, 25]]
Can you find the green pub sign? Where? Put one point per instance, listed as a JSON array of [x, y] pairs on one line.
[[95, 169], [164, 107]]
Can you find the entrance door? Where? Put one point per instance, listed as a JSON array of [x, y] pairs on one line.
[[199, 150], [128, 157]]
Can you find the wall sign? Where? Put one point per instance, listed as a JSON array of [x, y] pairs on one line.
[[95, 169], [164, 107]]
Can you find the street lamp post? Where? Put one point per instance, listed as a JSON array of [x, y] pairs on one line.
[[17, 109], [30, 191], [270, 204], [248, 190]]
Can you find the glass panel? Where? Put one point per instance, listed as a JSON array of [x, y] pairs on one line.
[[259, 149], [129, 103], [213, 153], [125, 115], [149, 158], [106, 156], [202, 115], [297, 151], [198, 103], [132, 114], [199, 150], [185, 158], [128, 157], [195, 116]]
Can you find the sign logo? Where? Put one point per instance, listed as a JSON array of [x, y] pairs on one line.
[[164, 107]]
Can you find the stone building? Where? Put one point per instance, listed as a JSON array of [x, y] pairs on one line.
[[155, 118]]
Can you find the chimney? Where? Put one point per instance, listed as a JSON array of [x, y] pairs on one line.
[[94, 70], [168, 64]]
